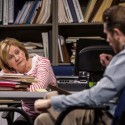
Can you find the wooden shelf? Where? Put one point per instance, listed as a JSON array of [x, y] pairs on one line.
[[81, 29]]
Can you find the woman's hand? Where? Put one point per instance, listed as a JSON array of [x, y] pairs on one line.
[[105, 59], [42, 104]]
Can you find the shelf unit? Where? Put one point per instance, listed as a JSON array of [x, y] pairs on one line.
[[74, 29], [27, 32]]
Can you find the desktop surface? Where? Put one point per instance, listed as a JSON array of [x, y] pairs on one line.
[[18, 95]]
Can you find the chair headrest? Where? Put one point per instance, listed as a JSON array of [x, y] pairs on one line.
[[89, 58]]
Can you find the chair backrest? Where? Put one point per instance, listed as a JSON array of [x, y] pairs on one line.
[[63, 70], [83, 43], [89, 60], [119, 115]]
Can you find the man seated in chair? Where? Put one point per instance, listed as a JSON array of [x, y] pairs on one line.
[[106, 89]]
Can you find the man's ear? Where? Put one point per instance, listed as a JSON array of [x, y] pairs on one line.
[[117, 33]]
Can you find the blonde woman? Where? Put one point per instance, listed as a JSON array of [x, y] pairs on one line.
[[14, 58]]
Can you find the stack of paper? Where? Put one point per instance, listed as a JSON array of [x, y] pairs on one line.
[[17, 78]]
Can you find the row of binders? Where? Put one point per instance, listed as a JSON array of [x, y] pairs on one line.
[[70, 11], [40, 12], [32, 12]]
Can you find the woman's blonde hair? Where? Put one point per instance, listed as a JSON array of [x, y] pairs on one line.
[[4, 50]]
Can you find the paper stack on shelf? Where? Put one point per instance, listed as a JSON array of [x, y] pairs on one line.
[[34, 48]]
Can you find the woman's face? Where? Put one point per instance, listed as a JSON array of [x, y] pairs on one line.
[[16, 58]]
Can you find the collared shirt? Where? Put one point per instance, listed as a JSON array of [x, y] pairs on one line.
[[107, 88]]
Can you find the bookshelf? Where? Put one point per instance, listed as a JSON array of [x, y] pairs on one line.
[[29, 32], [86, 28], [32, 32], [78, 29]]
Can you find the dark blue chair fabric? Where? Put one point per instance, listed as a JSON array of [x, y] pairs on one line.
[[120, 110], [63, 70]]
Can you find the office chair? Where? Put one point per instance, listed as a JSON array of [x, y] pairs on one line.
[[8, 112], [119, 115], [89, 60], [9, 115], [118, 118], [63, 70], [63, 114]]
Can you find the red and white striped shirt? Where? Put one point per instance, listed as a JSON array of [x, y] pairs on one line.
[[43, 73]]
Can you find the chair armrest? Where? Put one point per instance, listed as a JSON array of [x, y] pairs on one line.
[[10, 104], [63, 114], [15, 109], [9, 115]]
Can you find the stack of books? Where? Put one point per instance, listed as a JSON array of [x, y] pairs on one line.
[[15, 82]]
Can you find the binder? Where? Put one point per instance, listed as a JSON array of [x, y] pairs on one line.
[[33, 9], [73, 11]]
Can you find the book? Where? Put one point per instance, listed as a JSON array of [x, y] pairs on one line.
[[1, 9], [42, 12], [45, 43], [73, 11], [5, 12], [61, 59], [89, 9], [68, 12], [16, 88], [32, 11], [95, 10], [62, 17], [20, 13], [100, 10], [33, 45], [36, 13], [78, 11], [11, 11], [47, 13], [17, 78], [63, 50], [33, 52], [7, 88], [9, 85], [50, 44], [105, 4], [26, 12]]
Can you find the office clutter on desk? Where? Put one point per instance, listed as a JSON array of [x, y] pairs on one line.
[[17, 78], [12, 86], [15, 82]]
